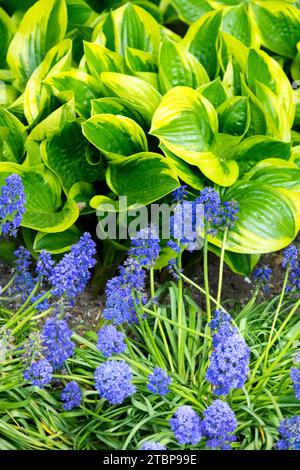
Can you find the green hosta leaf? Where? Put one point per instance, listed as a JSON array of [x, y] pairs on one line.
[[57, 243], [42, 26], [37, 97], [257, 148], [8, 94], [186, 124], [143, 65], [143, 178], [234, 116], [276, 172], [65, 155], [142, 96], [238, 22], [7, 29], [100, 59], [232, 48], [43, 202], [201, 41], [239, 263], [12, 137], [262, 68], [80, 14], [134, 27], [115, 136], [191, 10], [190, 175], [179, 67], [268, 221], [215, 92], [116, 106], [279, 25], [258, 124], [232, 78], [81, 85], [53, 124], [82, 193]]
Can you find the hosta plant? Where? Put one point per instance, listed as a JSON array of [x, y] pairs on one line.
[[111, 104]]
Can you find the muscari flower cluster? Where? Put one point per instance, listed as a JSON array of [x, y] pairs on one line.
[[229, 361], [218, 425], [151, 445], [291, 262], [56, 340], [111, 341], [39, 373], [186, 425], [295, 377], [289, 430], [12, 205], [262, 277], [71, 396], [159, 382], [113, 381]]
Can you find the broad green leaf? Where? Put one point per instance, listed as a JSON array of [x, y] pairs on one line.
[[7, 29], [191, 10], [142, 96], [295, 67], [232, 48], [116, 106], [12, 137], [43, 198], [279, 25], [232, 78], [57, 243], [201, 41], [143, 178], [42, 26], [82, 192], [81, 85], [256, 148], [143, 65], [268, 221], [80, 14], [239, 263], [258, 124], [8, 94], [135, 27], [53, 123], [37, 97], [239, 22], [100, 59], [262, 68], [186, 124], [276, 172], [215, 92], [190, 175], [115, 136], [178, 67], [70, 166], [234, 116]]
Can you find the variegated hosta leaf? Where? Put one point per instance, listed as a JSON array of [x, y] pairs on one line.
[[240, 23], [100, 59], [279, 25], [43, 198], [37, 97], [277, 173], [178, 67], [269, 219], [56, 243], [234, 116], [141, 95], [117, 106], [201, 41], [191, 10], [232, 49], [70, 166], [187, 125], [75, 83], [7, 29], [215, 92], [115, 136], [42, 26], [143, 178], [12, 137]]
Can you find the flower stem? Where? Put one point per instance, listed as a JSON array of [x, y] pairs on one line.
[[206, 278], [181, 322], [221, 268]]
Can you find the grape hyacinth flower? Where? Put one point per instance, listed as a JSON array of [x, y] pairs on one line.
[[174, 246], [219, 422], [290, 257], [12, 205], [44, 265], [113, 381], [71, 396], [186, 425], [173, 268], [212, 208], [228, 214], [39, 373], [151, 445], [289, 430], [24, 282], [180, 194], [295, 378], [262, 276], [110, 341], [71, 275], [56, 339], [159, 382], [145, 247]]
